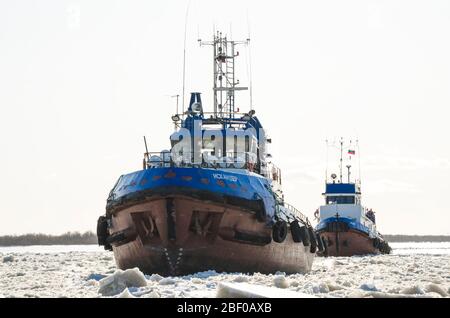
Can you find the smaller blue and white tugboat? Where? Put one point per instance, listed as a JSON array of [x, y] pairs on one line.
[[345, 226]]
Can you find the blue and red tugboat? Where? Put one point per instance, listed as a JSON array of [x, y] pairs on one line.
[[345, 226], [214, 200]]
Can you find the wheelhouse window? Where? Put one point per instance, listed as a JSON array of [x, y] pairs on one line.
[[348, 199]]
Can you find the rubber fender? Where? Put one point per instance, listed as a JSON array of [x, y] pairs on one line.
[[252, 238], [279, 231], [122, 237], [320, 244], [389, 249], [102, 230], [384, 248], [305, 236], [312, 239], [116, 237], [295, 231], [376, 243]]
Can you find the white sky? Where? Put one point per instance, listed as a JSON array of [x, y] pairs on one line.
[[82, 81]]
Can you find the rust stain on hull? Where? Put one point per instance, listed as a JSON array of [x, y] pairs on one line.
[[349, 243], [181, 235]]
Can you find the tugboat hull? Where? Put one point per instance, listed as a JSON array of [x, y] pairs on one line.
[[178, 235], [348, 243], [342, 238]]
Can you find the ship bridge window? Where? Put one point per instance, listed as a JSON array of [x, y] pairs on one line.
[[348, 199]]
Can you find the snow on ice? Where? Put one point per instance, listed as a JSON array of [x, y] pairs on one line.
[[120, 281], [66, 272]]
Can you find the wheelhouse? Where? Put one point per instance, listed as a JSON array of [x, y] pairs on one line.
[[342, 193]]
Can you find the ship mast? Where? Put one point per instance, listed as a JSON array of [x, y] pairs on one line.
[[225, 82]]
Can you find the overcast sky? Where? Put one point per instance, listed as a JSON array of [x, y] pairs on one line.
[[82, 81]]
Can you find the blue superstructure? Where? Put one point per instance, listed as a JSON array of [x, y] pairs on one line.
[[340, 188], [343, 205]]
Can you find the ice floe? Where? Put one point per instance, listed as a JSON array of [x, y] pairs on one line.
[[121, 280], [126, 294], [59, 272], [8, 258], [280, 281], [246, 290]]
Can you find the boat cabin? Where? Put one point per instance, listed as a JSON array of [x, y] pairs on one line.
[[342, 193], [342, 200]]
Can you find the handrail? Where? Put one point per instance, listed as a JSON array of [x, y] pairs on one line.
[[217, 114], [237, 161], [296, 212], [292, 209]]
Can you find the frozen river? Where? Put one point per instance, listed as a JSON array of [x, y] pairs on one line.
[[413, 270]]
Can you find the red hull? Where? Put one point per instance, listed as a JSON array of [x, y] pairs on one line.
[[188, 236], [348, 243]]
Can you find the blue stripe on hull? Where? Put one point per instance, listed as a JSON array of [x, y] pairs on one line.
[[233, 183], [352, 224]]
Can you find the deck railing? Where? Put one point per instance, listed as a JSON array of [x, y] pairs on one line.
[[297, 213], [240, 160]]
